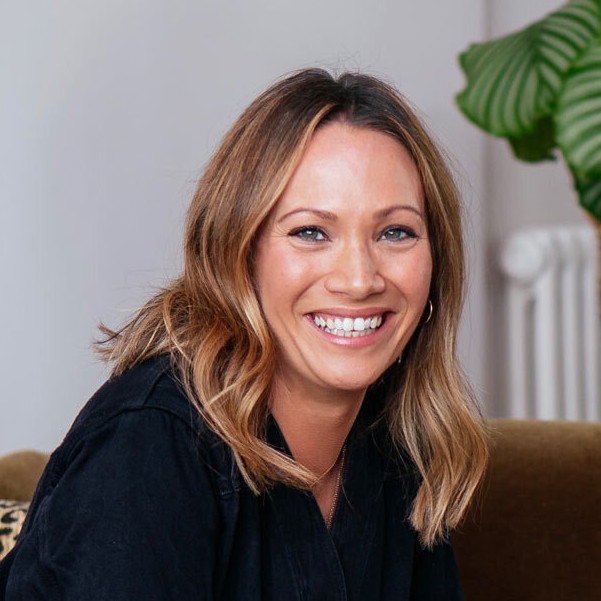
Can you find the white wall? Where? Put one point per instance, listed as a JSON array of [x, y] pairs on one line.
[[108, 112]]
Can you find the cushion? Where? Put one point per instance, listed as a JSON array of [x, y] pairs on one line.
[[12, 516], [19, 474]]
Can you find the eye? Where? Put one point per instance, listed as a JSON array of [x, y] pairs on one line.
[[310, 233], [397, 233]]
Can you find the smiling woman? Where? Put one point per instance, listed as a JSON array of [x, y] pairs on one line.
[[287, 420], [346, 243]]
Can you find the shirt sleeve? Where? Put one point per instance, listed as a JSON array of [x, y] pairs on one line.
[[435, 574], [134, 516]]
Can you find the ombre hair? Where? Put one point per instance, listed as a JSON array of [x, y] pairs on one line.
[[211, 323]]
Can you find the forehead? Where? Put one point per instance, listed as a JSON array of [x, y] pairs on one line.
[[353, 165]]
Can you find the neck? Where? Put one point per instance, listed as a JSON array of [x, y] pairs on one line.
[[315, 426]]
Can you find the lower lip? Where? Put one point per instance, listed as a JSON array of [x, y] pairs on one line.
[[351, 342]]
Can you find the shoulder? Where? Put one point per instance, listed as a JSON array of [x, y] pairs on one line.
[[150, 391], [137, 473], [138, 414], [152, 384]]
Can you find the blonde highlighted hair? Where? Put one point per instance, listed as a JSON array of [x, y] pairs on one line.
[[210, 320]]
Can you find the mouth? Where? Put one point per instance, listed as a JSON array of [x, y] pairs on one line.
[[348, 327]]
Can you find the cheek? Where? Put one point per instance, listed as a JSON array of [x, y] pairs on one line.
[[413, 276], [266, 278], [280, 274], [424, 269], [424, 276], [284, 267]]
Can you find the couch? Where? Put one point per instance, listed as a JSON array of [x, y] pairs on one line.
[[534, 530]]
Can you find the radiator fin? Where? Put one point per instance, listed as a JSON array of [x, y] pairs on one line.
[[552, 319]]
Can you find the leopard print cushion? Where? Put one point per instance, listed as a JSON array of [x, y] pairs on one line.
[[12, 516]]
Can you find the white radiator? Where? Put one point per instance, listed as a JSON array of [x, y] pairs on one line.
[[552, 323]]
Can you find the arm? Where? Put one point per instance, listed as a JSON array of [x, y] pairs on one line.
[[435, 574], [134, 516]]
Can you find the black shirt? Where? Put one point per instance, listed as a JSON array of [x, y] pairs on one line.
[[143, 501]]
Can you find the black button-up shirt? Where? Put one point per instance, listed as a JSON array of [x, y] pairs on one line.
[[143, 502]]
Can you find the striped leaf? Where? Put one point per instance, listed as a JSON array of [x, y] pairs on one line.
[[578, 115], [537, 145], [589, 194], [513, 82]]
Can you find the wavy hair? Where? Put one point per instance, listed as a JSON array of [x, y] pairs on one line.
[[210, 320]]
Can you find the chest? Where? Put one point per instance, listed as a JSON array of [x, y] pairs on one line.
[[280, 547]]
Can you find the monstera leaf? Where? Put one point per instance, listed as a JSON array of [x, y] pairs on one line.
[[540, 88]]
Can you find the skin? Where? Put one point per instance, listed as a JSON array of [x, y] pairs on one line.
[[347, 239]]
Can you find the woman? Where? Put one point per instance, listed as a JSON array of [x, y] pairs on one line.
[[287, 419]]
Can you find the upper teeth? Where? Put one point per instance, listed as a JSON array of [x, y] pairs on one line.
[[343, 325]]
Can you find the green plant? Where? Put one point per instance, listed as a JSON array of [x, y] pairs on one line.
[[540, 88]]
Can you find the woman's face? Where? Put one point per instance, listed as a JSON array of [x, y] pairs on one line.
[[344, 264]]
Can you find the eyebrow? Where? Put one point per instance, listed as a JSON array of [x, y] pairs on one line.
[[329, 216]]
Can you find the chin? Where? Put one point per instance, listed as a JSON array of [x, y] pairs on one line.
[[353, 382]]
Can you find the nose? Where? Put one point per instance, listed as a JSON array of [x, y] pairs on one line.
[[355, 272]]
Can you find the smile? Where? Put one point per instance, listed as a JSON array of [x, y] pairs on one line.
[[348, 327]]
